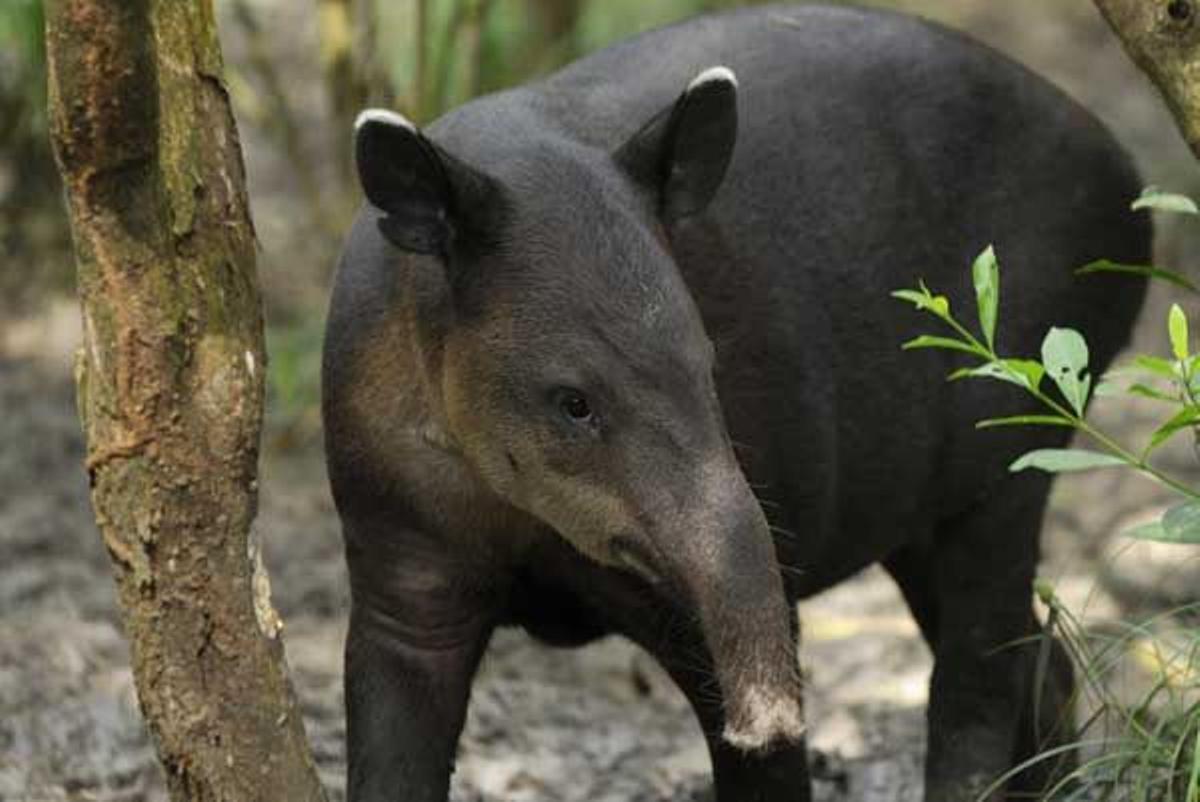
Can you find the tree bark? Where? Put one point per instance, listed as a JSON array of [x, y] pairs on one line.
[[1163, 39], [170, 386]]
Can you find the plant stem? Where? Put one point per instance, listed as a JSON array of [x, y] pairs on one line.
[[1104, 440], [421, 62], [1116, 449]]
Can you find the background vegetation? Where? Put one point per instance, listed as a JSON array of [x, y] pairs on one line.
[[299, 73]]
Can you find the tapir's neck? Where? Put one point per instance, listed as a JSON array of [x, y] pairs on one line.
[[428, 313], [389, 397]]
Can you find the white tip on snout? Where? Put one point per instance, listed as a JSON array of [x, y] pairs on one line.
[[767, 719], [385, 117], [712, 75]]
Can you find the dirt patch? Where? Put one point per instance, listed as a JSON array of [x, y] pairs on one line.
[[600, 724]]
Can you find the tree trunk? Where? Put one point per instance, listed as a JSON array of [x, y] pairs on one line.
[[347, 83], [170, 386], [1163, 39], [558, 18]]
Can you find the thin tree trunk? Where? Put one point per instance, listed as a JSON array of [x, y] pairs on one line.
[[346, 82], [558, 34], [1163, 39], [558, 18], [421, 88], [282, 122], [170, 386]]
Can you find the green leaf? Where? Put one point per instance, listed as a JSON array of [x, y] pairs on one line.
[[1158, 366], [962, 373], [1148, 531], [912, 296], [950, 344], [1187, 417], [989, 370], [1146, 391], [1044, 590], [1030, 369], [1154, 198], [1022, 372], [1105, 266], [1061, 460], [1025, 420], [1188, 368], [985, 273], [1180, 524], [925, 300], [1065, 357], [1177, 328]]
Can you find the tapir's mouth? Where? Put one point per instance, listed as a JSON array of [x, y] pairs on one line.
[[637, 557]]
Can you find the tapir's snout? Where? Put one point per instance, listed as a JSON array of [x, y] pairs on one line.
[[721, 555]]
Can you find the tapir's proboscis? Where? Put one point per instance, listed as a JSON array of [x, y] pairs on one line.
[[614, 352]]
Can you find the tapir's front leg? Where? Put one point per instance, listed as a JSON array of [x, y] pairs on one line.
[[775, 774], [417, 631]]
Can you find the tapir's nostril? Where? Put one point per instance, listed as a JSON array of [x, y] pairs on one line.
[[638, 559]]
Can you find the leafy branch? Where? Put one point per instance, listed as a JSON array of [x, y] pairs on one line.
[[1064, 361]]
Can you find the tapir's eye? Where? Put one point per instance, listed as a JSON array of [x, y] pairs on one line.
[[575, 406]]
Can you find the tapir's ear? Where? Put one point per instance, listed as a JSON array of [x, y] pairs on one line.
[[683, 152], [429, 197]]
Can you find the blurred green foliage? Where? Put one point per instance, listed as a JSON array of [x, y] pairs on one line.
[[293, 383], [22, 65], [440, 53], [32, 230]]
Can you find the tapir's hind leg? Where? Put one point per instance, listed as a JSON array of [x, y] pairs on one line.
[[971, 592]]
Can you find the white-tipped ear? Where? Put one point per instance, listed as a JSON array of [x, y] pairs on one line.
[[712, 75], [428, 197], [383, 117], [682, 153], [403, 175]]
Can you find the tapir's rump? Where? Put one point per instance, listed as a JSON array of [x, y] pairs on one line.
[[614, 352]]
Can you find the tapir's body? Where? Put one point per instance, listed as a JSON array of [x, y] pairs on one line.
[[871, 150]]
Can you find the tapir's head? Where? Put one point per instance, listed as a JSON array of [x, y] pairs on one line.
[[575, 374]]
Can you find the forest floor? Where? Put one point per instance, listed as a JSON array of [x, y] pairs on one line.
[[599, 724]]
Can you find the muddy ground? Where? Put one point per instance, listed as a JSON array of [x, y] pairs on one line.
[[599, 724]]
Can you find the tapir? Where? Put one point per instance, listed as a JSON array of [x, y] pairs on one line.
[[614, 352]]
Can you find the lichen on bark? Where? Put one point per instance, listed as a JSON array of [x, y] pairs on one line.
[[170, 382]]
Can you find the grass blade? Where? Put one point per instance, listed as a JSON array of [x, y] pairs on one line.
[[1025, 420], [1149, 271]]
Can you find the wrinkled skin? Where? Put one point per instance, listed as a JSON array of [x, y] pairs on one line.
[[586, 332]]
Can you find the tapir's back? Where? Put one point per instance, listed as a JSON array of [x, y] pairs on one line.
[[873, 150]]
